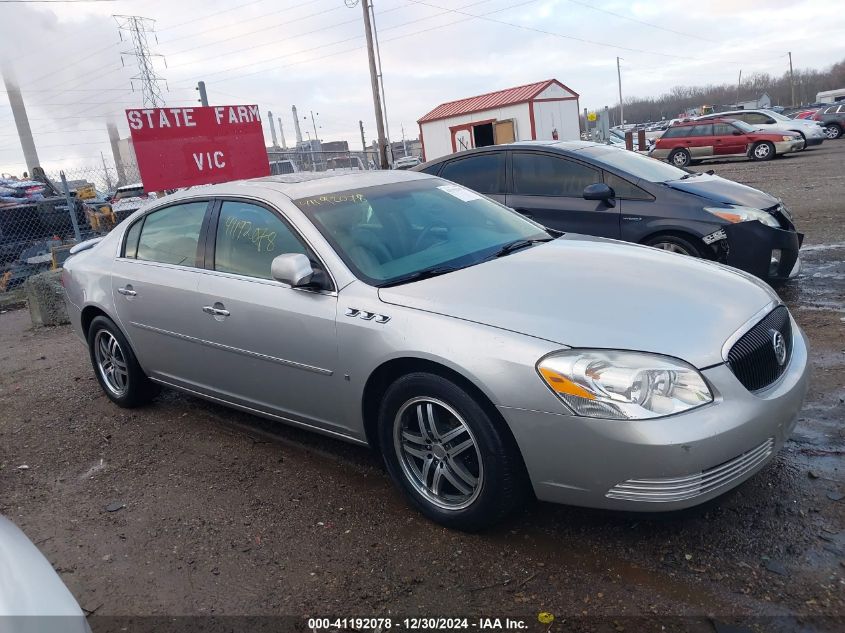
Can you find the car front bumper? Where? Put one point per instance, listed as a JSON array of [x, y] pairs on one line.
[[765, 252], [787, 147], [812, 141], [666, 463]]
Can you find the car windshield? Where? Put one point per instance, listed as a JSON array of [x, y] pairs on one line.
[[742, 125], [404, 231], [633, 164]]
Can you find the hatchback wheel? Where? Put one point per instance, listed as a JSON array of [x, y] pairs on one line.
[[762, 151], [452, 459], [833, 131], [679, 157], [674, 244], [116, 367]]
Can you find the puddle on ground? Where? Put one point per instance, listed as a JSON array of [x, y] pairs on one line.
[[821, 283]]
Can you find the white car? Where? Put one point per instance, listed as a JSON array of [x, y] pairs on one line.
[[811, 131]]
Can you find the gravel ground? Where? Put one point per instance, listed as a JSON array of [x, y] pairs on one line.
[[222, 513]]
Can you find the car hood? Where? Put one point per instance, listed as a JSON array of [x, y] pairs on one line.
[[724, 191], [30, 587], [580, 291]]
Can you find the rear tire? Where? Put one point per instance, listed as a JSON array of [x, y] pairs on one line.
[[679, 158], [115, 366], [674, 244], [452, 460], [803, 138], [833, 130], [761, 151]]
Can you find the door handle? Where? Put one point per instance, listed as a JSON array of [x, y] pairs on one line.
[[215, 311], [127, 291]]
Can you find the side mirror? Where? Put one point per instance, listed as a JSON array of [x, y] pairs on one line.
[[598, 191], [293, 269]]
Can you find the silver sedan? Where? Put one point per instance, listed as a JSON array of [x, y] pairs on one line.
[[487, 360]]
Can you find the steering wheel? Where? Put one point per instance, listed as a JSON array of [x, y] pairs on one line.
[[427, 231]]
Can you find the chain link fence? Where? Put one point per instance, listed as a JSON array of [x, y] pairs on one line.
[[43, 216]]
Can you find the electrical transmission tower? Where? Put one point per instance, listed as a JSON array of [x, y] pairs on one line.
[[137, 28]]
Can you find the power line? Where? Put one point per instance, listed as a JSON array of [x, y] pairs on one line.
[[638, 21], [209, 15], [566, 37], [349, 39]]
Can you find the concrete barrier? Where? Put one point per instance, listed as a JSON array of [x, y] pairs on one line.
[[46, 299]]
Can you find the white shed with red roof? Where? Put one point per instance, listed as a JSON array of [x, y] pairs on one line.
[[544, 110]]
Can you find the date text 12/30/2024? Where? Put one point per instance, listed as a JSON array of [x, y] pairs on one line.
[[413, 624]]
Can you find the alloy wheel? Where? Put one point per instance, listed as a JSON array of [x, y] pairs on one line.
[[831, 132], [438, 453], [762, 151], [680, 159], [111, 363], [671, 247]]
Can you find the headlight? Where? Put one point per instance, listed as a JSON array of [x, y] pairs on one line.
[[744, 214], [623, 385], [789, 138]]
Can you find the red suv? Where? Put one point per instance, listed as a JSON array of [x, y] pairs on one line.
[[692, 141]]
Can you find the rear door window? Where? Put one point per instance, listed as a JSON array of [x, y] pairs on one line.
[[723, 129], [171, 235], [702, 130], [537, 174], [678, 131], [484, 173]]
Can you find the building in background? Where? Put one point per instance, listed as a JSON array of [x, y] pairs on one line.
[[126, 156], [545, 110]]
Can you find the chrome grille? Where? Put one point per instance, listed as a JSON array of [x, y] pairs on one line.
[[668, 489], [752, 358]]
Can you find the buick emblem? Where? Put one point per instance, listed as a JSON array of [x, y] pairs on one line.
[[779, 346]]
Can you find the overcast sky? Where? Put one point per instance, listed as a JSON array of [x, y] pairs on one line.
[[311, 53]]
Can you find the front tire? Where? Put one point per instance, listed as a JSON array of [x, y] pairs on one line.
[[680, 157], [452, 459], [115, 366], [762, 151], [674, 244]]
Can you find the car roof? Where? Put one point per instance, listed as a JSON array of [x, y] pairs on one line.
[[303, 185], [708, 121], [571, 146]]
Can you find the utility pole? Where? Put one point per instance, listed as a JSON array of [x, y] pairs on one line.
[[313, 122], [203, 94], [106, 171], [791, 79], [738, 85], [382, 141], [138, 27], [621, 107], [381, 81], [404, 143], [364, 145]]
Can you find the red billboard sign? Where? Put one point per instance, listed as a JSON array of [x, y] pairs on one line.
[[182, 147]]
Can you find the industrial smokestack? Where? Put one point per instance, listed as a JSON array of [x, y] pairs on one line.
[[30, 155], [272, 128], [282, 134], [114, 137], [296, 126]]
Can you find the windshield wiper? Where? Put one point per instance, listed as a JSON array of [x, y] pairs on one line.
[[419, 275], [689, 175], [516, 245]]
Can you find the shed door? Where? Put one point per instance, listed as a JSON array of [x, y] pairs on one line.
[[503, 132]]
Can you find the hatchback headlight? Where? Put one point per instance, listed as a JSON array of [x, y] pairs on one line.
[[623, 385], [736, 214]]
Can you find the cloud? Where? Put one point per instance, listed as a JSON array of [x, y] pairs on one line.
[[311, 53]]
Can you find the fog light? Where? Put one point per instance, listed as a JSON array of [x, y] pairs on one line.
[[774, 264]]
